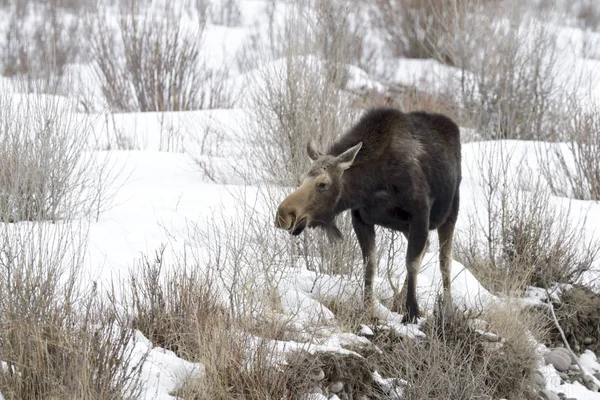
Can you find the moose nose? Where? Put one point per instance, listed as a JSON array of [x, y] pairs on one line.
[[285, 217]]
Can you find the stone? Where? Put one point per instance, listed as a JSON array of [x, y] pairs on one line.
[[589, 383], [336, 387], [562, 395], [316, 390], [549, 395], [317, 374], [597, 375], [558, 360], [588, 340], [568, 353], [563, 376]]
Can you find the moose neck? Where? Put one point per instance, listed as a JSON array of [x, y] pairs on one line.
[[352, 192]]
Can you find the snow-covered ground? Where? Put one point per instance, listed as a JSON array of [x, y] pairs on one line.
[[161, 192]]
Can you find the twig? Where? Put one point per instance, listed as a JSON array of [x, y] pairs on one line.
[[584, 377]]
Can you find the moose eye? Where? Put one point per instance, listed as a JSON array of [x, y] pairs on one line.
[[322, 185]]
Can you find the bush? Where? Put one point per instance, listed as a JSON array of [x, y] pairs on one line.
[[512, 92], [41, 51], [574, 171], [58, 337], [45, 170], [153, 61], [504, 79], [188, 310], [418, 28], [521, 238]]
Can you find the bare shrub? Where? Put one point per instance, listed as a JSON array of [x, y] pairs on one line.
[[300, 97], [505, 81], [508, 80], [587, 14], [332, 30], [526, 240], [153, 61], [187, 310], [41, 47], [225, 12], [45, 172], [574, 171], [58, 340], [418, 28], [174, 309]]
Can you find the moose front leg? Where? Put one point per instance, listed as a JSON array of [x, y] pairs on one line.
[[365, 234], [417, 240]]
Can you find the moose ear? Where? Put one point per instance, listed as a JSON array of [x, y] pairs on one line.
[[347, 158], [312, 152]]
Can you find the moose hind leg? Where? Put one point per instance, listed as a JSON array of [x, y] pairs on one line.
[[365, 234], [445, 236], [417, 239]]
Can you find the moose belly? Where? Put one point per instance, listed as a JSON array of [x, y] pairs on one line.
[[398, 218]]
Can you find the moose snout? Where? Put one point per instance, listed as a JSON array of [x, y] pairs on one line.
[[285, 217]]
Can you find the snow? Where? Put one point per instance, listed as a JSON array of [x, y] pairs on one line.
[[160, 195], [162, 370]]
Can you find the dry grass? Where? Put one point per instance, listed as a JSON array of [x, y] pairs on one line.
[[453, 361], [59, 338], [183, 310]]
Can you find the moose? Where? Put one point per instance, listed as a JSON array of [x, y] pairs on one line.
[[398, 170]]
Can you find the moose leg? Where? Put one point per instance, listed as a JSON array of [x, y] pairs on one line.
[[417, 239], [365, 234], [445, 235]]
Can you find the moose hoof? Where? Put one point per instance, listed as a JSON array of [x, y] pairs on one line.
[[410, 318]]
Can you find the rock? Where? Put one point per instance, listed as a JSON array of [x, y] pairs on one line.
[[317, 375], [571, 398], [562, 395], [597, 375], [316, 390], [588, 340], [549, 395], [488, 336], [563, 376], [589, 383], [538, 379], [558, 360], [568, 353], [336, 387]]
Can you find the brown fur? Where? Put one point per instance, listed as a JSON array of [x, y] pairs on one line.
[[400, 171]]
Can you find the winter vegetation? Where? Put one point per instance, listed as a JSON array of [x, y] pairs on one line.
[[145, 146]]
